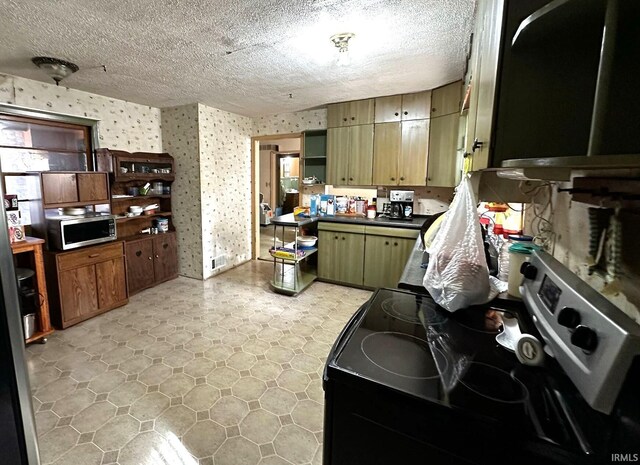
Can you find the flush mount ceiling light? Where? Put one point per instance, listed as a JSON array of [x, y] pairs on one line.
[[341, 41], [57, 69]]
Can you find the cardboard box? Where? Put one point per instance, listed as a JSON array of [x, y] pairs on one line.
[[16, 234], [13, 218], [10, 202]]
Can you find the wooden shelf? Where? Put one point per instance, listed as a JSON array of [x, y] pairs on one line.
[[141, 197], [131, 218], [126, 177], [39, 335]]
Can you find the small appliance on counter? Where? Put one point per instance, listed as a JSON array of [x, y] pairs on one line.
[[401, 205], [67, 232]]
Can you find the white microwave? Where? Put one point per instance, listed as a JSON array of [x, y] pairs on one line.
[[70, 232]]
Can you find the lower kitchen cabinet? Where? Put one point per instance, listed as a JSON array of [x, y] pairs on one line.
[[369, 256], [385, 258], [341, 253], [85, 282], [151, 260]]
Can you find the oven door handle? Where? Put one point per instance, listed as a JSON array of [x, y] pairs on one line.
[[342, 338]]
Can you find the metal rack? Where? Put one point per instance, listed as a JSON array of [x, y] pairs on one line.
[[289, 278]]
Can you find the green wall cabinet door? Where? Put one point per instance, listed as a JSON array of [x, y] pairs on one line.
[[385, 259], [341, 257]]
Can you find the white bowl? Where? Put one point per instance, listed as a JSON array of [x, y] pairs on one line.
[[135, 209], [307, 241]]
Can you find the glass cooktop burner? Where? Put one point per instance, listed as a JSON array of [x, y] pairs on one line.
[[403, 355], [493, 383], [411, 310], [486, 321]]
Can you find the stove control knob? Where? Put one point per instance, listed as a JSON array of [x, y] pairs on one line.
[[585, 338], [569, 317], [528, 270]]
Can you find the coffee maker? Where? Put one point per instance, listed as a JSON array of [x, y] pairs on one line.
[[401, 205]]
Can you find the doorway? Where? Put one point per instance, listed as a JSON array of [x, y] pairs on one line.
[[275, 185]]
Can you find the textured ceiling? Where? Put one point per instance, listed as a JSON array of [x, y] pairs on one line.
[[241, 56]]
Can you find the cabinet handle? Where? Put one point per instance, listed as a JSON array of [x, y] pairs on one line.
[[386, 242], [395, 243], [402, 178], [344, 238], [353, 118], [149, 258], [164, 246], [138, 253], [434, 109], [396, 113], [157, 256], [94, 255], [476, 145], [336, 237], [428, 179], [344, 179], [350, 179], [406, 113], [344, 119], [393, 179]]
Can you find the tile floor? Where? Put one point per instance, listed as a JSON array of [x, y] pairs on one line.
[[222, 371]]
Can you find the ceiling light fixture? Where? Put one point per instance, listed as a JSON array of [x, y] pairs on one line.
[[56, 69], [341, 41]]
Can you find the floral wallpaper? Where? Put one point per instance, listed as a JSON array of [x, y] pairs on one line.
[[122, 125], [225, 177], [287, 123], [180, 139]]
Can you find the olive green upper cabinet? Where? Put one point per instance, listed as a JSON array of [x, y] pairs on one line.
[[444, 161], [403, 107], [350, 155], [352, 113], [446, 100]]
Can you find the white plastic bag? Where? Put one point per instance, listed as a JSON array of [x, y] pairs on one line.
[[457, 275]]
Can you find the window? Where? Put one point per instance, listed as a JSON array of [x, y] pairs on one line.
[[29, 144]]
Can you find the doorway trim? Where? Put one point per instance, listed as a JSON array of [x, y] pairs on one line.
[[255, 179]]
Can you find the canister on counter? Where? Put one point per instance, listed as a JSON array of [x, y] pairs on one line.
[[162, 224]]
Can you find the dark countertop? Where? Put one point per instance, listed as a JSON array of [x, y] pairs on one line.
[[415, 223], [290, 220]]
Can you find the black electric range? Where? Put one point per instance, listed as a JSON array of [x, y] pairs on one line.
[[408, 382]]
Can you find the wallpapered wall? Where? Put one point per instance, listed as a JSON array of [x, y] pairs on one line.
[[288, 123], [571, 247], [180, 139], [225, 178], [123, 125]]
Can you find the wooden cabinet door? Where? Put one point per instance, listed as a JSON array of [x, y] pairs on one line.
[[416, 106], [59, 188], [377, 256], [443, 144], [327, 255], [111, 283], [350, 258], [338, 155], [446, 99], [388, 109], [360, 155], [140, 274], [387, 143], [78, 293], [361, 112], [384, 259], [415, 152], [93, 187], [165, 250], [338, 115]]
